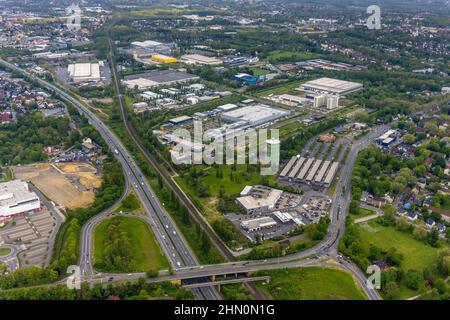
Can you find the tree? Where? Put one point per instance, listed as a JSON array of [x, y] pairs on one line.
[[409, 138], [433, 238], [393, 257], [443, 262], [391, 290], [402, 224], [354, 207], [152, 273], [440, 285], [413, 279], [420, 233]]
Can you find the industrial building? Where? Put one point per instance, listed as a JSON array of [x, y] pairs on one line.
[[157, 78], [288, 166], [84, 72], [305, 169], [331, 86], [259, 198], [181, 120], [296, 168], [284, 217], [312, 171], [227, 107], [254, 115], [163, 58], [16, 198], [387, 138], [293, 99], [320, 175], [200, 59], [258, 224], [330, 175], [150, 45]]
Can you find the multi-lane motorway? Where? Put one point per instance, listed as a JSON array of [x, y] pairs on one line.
[[326, 250], [166, 232], [175, 246]]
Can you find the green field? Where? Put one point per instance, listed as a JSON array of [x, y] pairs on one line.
[[4, 251], [288, 87], [146, 252], [417, 255], [258, 72], [231, 187], [291, 56], [131, 204], [312, 283]]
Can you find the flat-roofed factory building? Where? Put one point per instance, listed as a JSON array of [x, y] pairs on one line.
[[331, 86], [16, 198], [84, 72], [157, 78], [254, 115], [256, 224], [259, 198], [200, 59]]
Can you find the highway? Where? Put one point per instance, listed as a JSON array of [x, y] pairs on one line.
[[165, 230], [315, 256], [174, 245]]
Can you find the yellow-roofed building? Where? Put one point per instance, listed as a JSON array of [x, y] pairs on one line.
[[163, 58]]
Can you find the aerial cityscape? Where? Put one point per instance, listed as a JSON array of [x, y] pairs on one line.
[[247, 150]]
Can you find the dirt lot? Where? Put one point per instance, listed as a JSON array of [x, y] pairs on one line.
[[70, 185]]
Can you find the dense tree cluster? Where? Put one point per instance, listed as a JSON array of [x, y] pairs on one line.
[[27, 277], [379, 173], [117, 254], [22, 141], [139, 290]]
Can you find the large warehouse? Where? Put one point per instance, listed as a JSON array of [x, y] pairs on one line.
[[16, 198], [152, 46], [156, 78], [200, 59], [254, 115], [84, 72], [331, 86]]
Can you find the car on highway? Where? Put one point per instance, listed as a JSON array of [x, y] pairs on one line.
[[110, 278]]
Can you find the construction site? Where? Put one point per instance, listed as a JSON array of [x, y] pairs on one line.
[[69, 185]]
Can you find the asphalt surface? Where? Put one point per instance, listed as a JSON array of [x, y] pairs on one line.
[[174, 246], [316, 256], [164, 228]]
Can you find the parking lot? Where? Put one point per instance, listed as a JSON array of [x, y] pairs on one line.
[[33, 232]]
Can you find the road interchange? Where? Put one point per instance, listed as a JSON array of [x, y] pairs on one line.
[[175, 246]]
